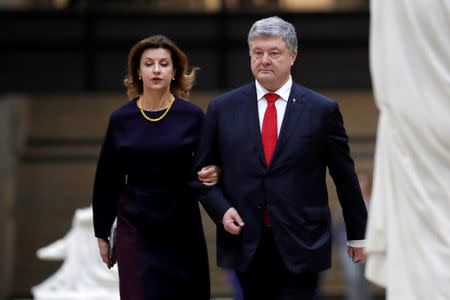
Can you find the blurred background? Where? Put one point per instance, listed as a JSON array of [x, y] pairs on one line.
[[63, 63]]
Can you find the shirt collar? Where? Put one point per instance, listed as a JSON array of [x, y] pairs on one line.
[[283, 92]]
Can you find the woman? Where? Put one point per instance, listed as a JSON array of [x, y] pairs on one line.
[[142, 178]]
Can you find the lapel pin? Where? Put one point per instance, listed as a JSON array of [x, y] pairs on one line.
[[293, 100]]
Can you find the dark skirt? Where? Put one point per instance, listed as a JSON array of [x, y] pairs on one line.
[[167, 262]]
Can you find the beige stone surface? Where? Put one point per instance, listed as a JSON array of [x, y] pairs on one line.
[[57, 170]]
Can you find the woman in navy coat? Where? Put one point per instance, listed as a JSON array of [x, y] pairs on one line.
[[142, 178]]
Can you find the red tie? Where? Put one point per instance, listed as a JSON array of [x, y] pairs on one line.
[[269, 135]]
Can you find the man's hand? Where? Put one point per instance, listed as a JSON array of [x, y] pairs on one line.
[[357, 254], [103, 247], [209, 175], [232, 222]]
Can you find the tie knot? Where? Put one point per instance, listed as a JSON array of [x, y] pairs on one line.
[[271, 97]]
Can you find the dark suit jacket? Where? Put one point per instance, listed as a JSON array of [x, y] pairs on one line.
[[312, 138]]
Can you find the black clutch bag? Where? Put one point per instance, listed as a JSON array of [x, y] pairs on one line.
[[112, 245]]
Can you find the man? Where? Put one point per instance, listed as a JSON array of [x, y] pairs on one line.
[[274, 140]]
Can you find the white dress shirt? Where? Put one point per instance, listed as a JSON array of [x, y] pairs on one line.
[[280, 104]]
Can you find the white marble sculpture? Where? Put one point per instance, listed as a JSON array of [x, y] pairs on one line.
[[83, 275], [408, 232]]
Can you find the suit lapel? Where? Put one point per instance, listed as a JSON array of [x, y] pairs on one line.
[[250, 110], [294, 107]]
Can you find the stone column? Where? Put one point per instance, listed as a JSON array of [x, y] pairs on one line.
[[12, 111]]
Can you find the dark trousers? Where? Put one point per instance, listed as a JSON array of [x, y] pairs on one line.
[[268, 279]]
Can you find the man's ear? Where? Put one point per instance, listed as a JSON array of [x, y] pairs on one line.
[[293, 57]]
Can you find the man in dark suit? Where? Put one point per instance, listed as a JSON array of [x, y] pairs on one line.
[[274, 140]]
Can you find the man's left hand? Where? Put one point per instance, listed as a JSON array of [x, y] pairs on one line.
[[357, 254]]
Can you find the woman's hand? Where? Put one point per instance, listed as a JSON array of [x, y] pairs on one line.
[[209, 175], [104, 249]]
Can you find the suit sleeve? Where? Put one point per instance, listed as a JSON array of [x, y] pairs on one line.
[[341, 168], [107, 186], [212, 198]]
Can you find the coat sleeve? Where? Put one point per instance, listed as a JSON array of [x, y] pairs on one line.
[[342, 170], [107, 185], [212, 198]]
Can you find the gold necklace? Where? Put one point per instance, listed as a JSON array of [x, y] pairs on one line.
[[141, 106]]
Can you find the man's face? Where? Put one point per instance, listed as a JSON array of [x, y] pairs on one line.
[[271, 62]]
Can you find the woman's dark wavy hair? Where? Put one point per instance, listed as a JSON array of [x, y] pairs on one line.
[[183, 81]]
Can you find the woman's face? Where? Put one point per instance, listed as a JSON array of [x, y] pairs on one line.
[[156, 69]]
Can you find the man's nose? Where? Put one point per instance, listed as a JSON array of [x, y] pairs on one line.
[[265, 58]]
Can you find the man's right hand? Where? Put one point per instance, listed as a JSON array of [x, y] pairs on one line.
[[232, 222]]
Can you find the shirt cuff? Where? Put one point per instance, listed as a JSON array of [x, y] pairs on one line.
[[357, 243]]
